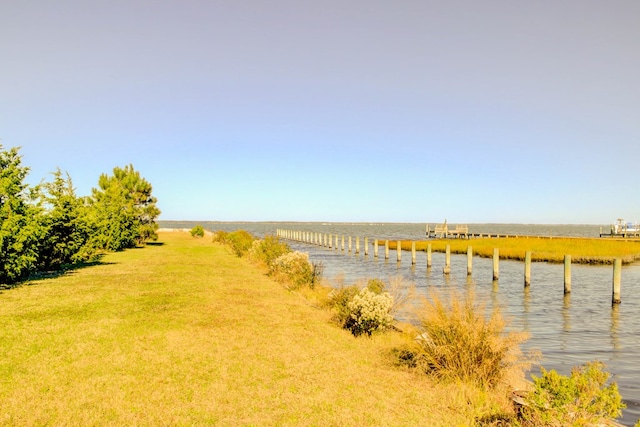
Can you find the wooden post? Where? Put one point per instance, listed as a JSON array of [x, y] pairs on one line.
[[358, 244], [366, 246], [413, 253], [496, 264], [330, 241], [343, 243], [527, 269], [429, 255], [447, 260], [469, 260], [386, 249], [617, 275], [349, 244], [399, 251], [567, 274], [375, 248]]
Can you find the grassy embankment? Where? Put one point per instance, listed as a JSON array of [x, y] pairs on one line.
[[584, 251], [185, 333]]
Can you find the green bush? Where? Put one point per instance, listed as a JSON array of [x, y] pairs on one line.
[[580, 399], [197, 231], [339, 300], [369, 312], [268, 249], [239, 241], [294, 268], [458, 342], [376, 286], [220, 236]]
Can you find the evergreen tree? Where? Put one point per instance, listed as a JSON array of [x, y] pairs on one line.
[[65, 223], [123, 210], [21, 228]]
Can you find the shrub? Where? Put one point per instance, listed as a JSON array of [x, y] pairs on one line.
[[369, 312], [197, 231], [339, 300], [295, 268], [376, 286], [580, 399], [220, 236], [240, 241], [458, 342], [267, 250]]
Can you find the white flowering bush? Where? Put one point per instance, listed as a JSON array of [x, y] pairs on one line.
[[295, 268], [369, 312]]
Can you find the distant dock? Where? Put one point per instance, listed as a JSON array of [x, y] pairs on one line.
[[622, 229], [461, 231]]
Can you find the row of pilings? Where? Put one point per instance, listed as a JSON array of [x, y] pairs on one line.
[[349, 244]]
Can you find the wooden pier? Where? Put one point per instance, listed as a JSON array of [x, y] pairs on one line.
[[461, 231], [622, 229]]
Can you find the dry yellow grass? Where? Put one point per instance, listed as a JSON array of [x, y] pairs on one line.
[[582, 250], [185, 333]]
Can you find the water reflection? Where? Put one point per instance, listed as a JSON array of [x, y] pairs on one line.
[[615, 322], [566, 321]]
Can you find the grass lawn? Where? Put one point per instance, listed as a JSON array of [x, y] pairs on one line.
[[185, 333]]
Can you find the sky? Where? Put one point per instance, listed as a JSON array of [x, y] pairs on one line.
[[334, 110]]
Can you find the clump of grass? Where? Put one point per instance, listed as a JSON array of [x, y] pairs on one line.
[[581, 399], [458, 341]]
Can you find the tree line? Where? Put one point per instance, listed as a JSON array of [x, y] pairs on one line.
[[48, 226]]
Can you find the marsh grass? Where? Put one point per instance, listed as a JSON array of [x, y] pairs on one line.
[[186, 333], [582, 250], [459, 341]]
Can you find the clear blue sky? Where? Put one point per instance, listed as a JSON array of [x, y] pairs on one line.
[[334, 110]]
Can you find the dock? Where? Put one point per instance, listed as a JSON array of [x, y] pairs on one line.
[[461, 231], [622, 229]]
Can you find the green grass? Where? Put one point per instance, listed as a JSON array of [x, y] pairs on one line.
[[186, 333], [582, 250]]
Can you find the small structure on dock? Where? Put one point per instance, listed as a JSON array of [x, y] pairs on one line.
[[622, 229], [442, 231]]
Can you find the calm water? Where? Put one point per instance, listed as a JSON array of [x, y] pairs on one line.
[[568, 330]]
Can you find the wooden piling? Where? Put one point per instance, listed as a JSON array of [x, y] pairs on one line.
[[413, 253], [429, 255], [617, 276], [343, 243], [469, 260], [399, 251], [496, 264], [386, 249], [349, 244], [567, 274], [366, 246], [527, 269], [358, 244], [447, 260], [375, 248]]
